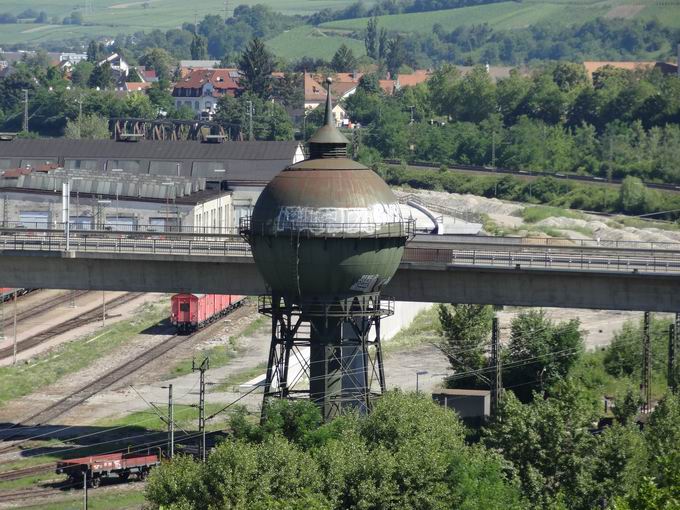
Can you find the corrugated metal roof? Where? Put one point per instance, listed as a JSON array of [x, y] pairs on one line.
[[146, 149], [243, 161], [110, 184]]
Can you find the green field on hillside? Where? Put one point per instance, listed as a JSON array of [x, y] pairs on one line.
[[113, 17], [510, 15], [309, 41]]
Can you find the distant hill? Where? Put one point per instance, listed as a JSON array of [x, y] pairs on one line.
[[113, 17]]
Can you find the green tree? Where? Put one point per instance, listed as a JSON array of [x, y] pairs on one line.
[[549, 447], [80, 76], [270, 120], [396, 55], [91, 126], [101, 77], [199, 48], [95, 52], [256, 65], [466, 331], [344, 60], [540, 352], [289, 90], [160, 61], [371, 38], [633, 195]]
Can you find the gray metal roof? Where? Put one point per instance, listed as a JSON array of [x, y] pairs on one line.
[[243, 161], [121, 184]]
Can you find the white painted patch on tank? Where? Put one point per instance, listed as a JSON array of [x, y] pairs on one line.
[[337, 219]]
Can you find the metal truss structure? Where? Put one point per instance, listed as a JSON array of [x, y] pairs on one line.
[[166, 129], [324, 351]]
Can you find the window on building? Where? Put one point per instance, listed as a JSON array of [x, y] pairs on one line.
[[33, 163], [127, 165], [81, 164], [5, 164], [165, 168]]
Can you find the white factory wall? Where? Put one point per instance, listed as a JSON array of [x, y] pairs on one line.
[[88, 211], [404, 313], [216, 213]]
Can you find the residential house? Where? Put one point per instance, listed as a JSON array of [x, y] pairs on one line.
[[202, 88], [119, 67], [344, 85]]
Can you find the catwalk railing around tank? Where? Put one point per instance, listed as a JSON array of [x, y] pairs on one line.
[[363, 305], [307, 229]]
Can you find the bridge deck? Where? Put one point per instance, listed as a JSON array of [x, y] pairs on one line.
[[509, 271]]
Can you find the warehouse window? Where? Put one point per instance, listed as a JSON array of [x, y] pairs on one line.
[[127, 165], [165, 168], [80, 164], [37, 162]]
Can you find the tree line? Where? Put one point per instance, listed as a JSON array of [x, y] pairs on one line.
[[542, 450], [552, 120]]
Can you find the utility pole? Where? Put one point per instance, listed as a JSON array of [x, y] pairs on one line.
[[250, 121], [171, 424], [103, 308], [205, 364], [24, 126], [673, 331], [14, 349], [646, 385], [80, 116], [497, 381], [85, 490]]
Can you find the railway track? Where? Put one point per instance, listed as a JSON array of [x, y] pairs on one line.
[[92, 388], [108, 379], [19, 494], [44, 307], [70, 324], [89, 390], [15, 474]]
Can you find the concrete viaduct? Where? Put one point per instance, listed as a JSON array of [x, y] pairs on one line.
[[500, 271]]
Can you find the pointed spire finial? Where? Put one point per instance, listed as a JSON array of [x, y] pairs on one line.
[[329, 103]]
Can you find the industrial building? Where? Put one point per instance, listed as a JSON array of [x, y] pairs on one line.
[[161, 185]]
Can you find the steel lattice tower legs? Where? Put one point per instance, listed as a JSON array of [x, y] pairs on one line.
[[329, 353]]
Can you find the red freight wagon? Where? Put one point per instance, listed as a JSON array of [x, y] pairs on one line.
[[98, 467], [193, 311], [7, 294]]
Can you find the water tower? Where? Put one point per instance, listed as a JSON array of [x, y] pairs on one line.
[[327, 235]]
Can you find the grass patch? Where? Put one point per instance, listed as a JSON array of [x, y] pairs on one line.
[[309, 41], [97, 500], [540, 213], [582, 230], [491, 227], [219, 355], [424, 328], [590, 374], [624, 221], [550, 231], [31, 481], [70, 357], [239, 378], [186, 417]]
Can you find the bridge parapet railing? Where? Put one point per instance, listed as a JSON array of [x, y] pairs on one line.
[[564, 260]]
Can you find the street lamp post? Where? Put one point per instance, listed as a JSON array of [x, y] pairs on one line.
[[418, 374]]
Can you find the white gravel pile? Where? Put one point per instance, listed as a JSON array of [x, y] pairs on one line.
[[507, 215]]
